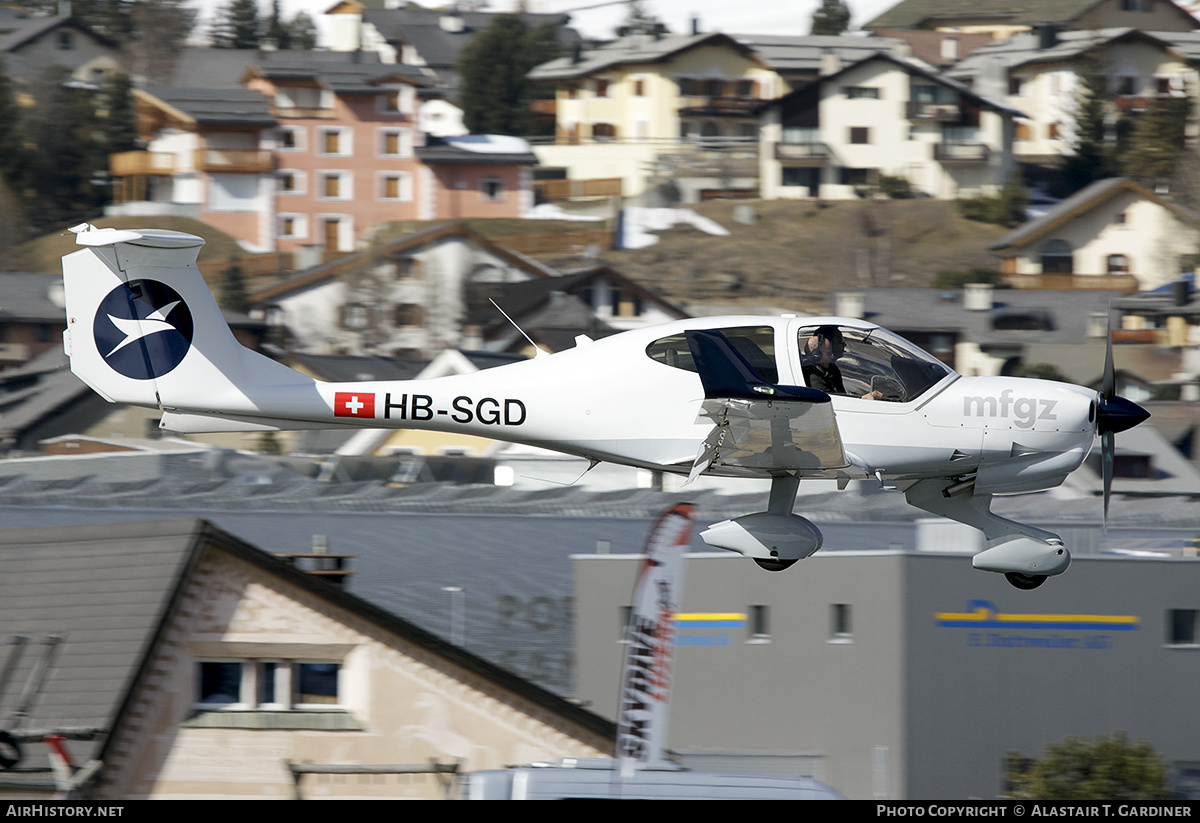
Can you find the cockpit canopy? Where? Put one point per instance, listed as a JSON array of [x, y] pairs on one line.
[[870, 361]]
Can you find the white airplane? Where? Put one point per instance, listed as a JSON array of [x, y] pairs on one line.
[[727, 396]]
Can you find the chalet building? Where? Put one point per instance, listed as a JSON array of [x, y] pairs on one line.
[[884, 116]]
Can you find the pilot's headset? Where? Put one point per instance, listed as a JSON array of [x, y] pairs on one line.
[[837, 343]]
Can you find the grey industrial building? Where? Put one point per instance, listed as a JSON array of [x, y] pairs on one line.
[[908, 675]]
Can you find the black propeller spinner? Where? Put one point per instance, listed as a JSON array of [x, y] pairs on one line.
[[1115, 414]]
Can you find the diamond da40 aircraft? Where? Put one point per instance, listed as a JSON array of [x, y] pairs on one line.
[[771, 397]]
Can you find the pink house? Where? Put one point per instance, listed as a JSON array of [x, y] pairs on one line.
[[336, 152]]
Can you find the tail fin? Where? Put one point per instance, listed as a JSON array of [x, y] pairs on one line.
[[143, 329]]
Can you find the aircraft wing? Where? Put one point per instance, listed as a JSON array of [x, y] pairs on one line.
[[757, 424]]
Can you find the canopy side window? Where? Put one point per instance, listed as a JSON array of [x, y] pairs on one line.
[[755, 343], [877, 361]]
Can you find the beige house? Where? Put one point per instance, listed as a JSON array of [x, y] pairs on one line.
[[622, 105], [1042, 75], [1112, 234], [197, 666], [884, 116]]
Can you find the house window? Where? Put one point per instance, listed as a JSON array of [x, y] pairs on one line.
[[64, 41], [639, 88], [1058, 258], [395, 143], [267, 684], [316, 683], [335, 185], [290, 182], [491, 189], [603, 131], [745, 88], [1023, 132], [219, 683], [410, 314], [355, 316], [293, 226], [840, 628], [857, 177], [291, 138], [335, 142], [395, 186], [1118, 264], [602, 87], [860, 135], [760, 623], [389, 102], [1181, 627], [1014, 86], [1052, 131], [1127, 85], [861, 93], [1119, 219]]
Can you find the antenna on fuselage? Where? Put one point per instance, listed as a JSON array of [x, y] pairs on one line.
[[537, 352]]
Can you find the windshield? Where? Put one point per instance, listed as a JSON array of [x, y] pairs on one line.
[[873, 364]]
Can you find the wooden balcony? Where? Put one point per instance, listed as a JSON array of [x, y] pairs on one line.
[[935, 112], [130, 163], [719, 106], [962, 154], [802, 154], [571, 189], [234, 161]]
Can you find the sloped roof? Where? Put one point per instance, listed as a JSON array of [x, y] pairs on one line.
[[788, 54], [108, 591], [1079, 203], [344, 72], [421, 29], [911, 68], [234, 106], [1024, 49], [633, 50], [329, 271], [928, 13], [21, 32]]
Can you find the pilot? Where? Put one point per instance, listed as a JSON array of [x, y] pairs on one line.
[[819, 362]]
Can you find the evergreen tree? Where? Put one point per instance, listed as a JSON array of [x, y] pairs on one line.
[[236, 26], [492, 69], [119, 127], [302, 32], [161, 29], [275, 30], [638, 20], [233, 289], [1093, 157], [11, 146], [1111, 768], [110, 18], [1157, 141], [832, 17]]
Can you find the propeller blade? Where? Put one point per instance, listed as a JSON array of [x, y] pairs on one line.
[[1107, 450], [1108, 387]]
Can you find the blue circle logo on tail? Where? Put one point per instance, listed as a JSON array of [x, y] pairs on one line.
[[143, 329]]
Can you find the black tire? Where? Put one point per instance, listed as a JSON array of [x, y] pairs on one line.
[[774, 565], [1025, 582], [10, 751]]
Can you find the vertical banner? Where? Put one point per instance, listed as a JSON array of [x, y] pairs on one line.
[[649, 654]]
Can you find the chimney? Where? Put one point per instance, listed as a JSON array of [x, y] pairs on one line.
[[451, 22], [1181, 292], [576, 53], [830, 63], [1047, 35], [695, 25], [977, 297]]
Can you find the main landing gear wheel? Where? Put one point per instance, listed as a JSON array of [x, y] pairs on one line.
[[1025, 582], [773, 564]]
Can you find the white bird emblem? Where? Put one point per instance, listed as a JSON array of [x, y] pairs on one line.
[[135, 329]]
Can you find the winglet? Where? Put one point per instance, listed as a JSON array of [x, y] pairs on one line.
[[725, 373]]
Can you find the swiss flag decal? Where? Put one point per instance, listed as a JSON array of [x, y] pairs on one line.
[[353, 404]]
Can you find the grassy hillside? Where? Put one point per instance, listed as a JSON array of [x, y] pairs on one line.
[[796, 251]]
